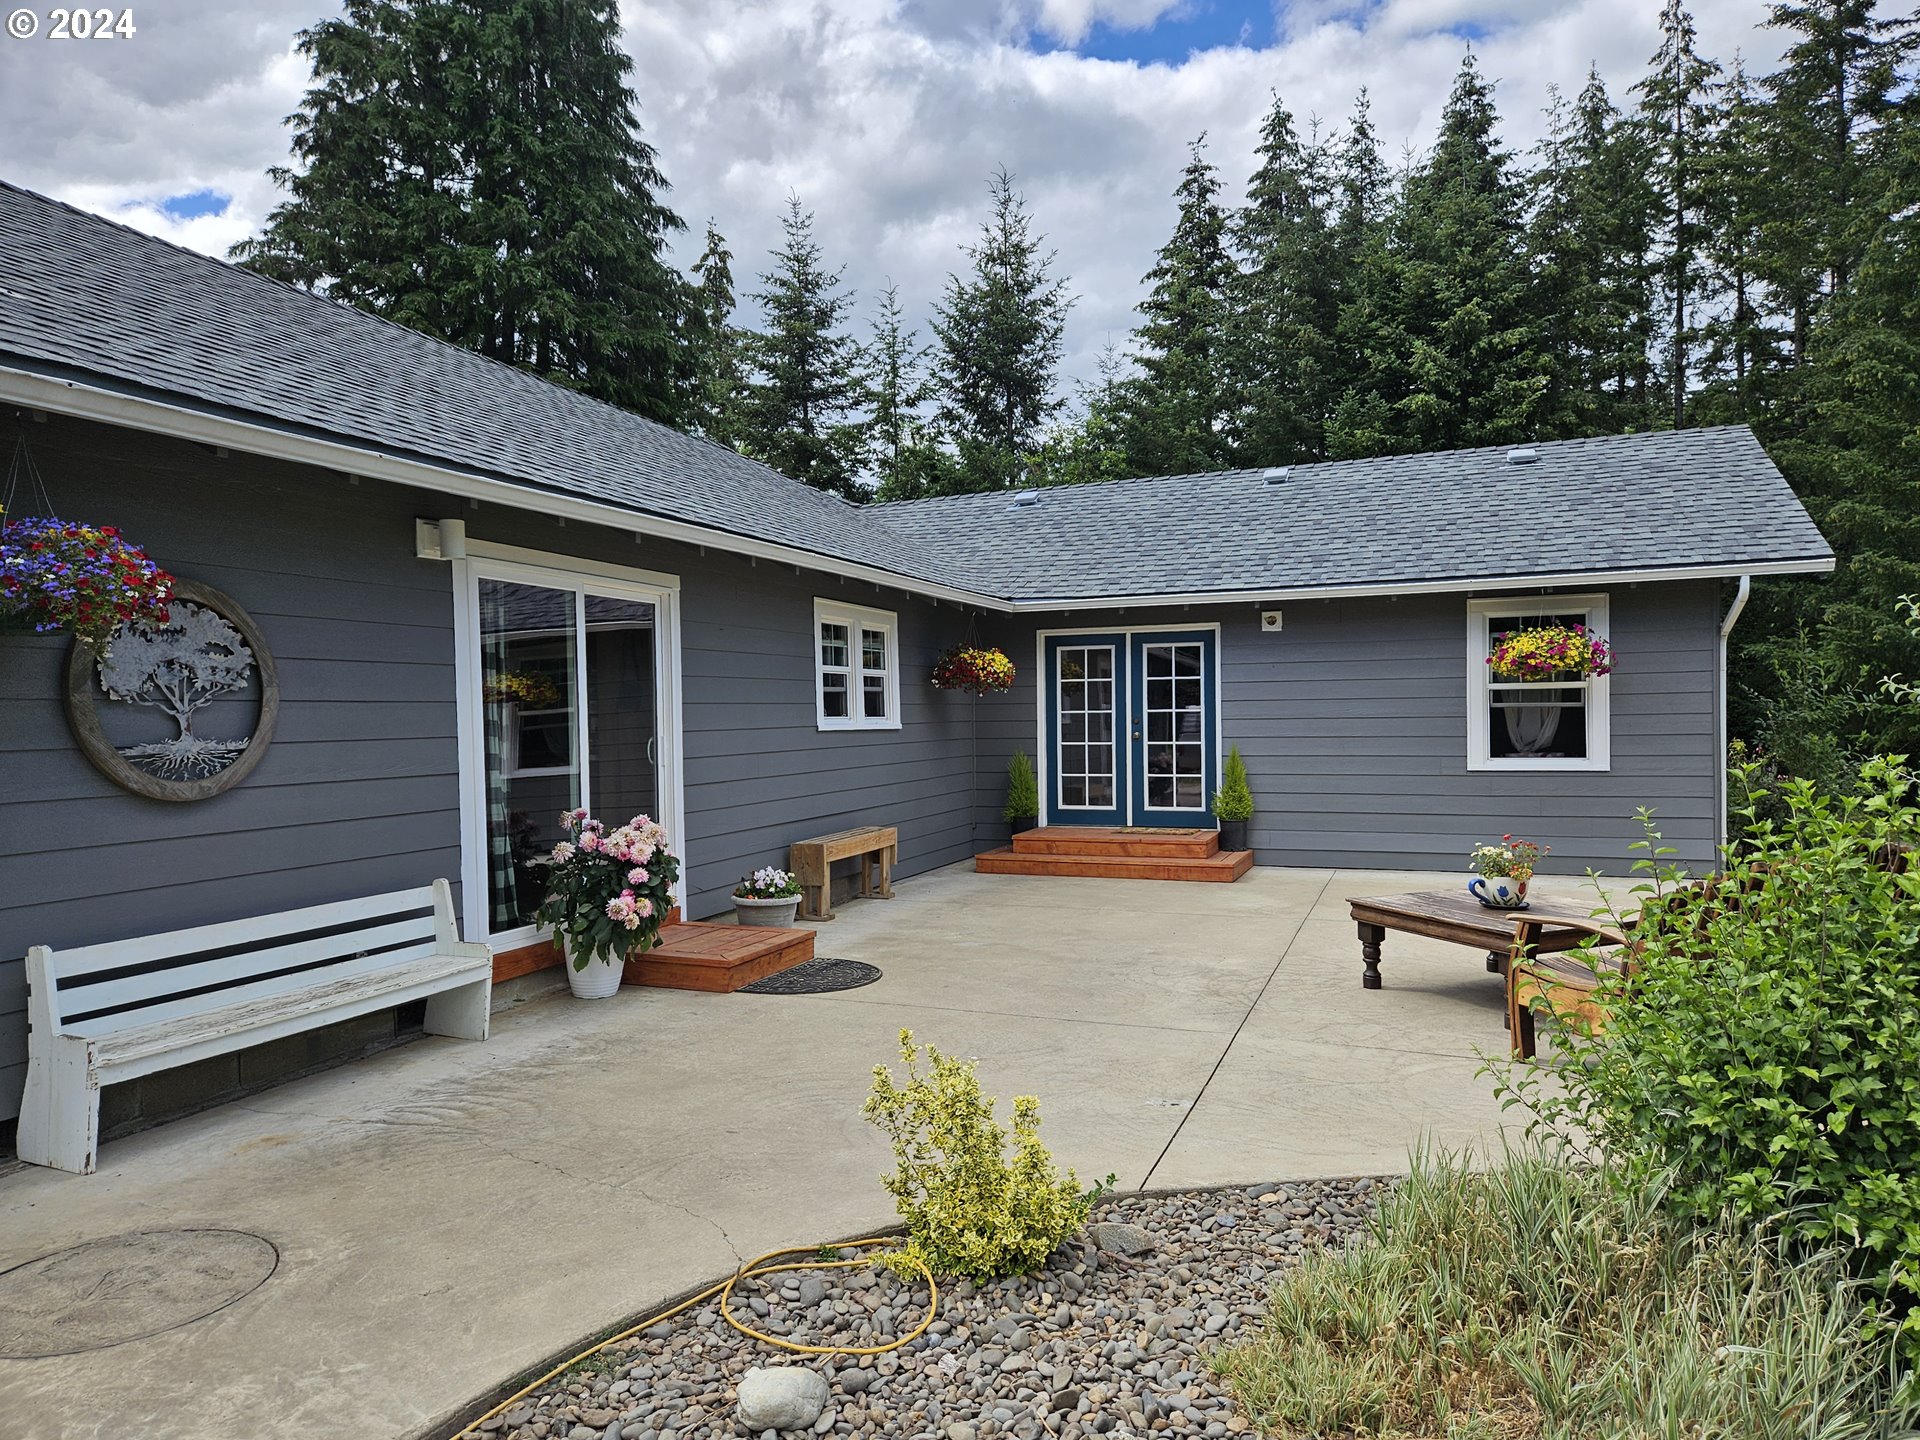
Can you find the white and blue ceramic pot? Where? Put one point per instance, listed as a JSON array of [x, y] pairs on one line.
[[1499, 892]]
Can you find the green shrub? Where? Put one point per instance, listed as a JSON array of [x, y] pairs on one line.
[[1234, 799], [1023, 790], [970, 1210], [1765, 1056], [1539, 1299]]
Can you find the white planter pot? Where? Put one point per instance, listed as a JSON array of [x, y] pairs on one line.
[[777, 912], [599, 980], [1499, 892]]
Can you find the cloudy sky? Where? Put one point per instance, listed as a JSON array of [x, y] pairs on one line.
[[886, 116]]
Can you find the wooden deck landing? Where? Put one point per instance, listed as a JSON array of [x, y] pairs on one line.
[[1118, 853], [718, 958]]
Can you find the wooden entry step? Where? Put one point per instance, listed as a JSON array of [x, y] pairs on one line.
[[1222, 867], [718, 958], [1128, 841]]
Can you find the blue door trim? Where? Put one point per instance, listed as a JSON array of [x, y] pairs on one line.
[[1057, 813], [1143, 812]]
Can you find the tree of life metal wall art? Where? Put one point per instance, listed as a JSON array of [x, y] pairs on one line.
[[180, 711]]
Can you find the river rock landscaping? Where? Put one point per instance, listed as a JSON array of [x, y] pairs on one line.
[[1109, 1339]]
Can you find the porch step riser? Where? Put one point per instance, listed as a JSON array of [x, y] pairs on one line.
[[1222, 868], [1139, 845]]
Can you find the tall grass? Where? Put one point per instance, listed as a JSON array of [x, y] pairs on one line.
[[1536, 1301]]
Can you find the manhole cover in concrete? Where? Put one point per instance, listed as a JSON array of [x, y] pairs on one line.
[[107, 1292]]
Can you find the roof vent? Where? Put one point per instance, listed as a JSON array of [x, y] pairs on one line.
[[1027, 497], [1526, 455], [1277, 475]]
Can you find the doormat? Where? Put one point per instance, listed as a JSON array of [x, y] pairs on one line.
[[815, 977]]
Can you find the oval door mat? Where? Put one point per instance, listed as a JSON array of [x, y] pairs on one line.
[[107, 1292], [815, 977]]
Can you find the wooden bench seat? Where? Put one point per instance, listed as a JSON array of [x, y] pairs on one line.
[[877, 847], [117, 1011]]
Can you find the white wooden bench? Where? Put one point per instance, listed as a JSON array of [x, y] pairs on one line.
[[112, 1012]]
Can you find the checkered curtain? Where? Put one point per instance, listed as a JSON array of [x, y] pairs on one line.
[[504, 889]]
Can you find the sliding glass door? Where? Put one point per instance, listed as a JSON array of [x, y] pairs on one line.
[[570, 713]]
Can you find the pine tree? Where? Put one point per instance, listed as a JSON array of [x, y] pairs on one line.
[[904, 457], [474, 169], [1092, 445], [1176, 412], [1740, 342], [1590, 242], [719, 384], [1455, 353], [1000, 332], [1676, 104], [1287, 300], [806, 383]]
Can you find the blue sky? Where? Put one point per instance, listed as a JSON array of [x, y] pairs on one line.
[[1197, 26]]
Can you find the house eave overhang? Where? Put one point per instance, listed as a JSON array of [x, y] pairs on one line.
[[90, 397]]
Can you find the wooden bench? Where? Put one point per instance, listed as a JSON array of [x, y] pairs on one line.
[[811, 861], [112, 1012]]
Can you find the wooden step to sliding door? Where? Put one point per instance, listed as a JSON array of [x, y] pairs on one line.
[[1124, 841]]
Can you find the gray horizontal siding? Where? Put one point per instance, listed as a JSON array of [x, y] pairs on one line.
[[358, 792]]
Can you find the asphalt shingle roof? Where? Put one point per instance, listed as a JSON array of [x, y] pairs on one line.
[[79, 294]]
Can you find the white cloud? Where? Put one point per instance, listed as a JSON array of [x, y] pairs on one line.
[[885, 116]]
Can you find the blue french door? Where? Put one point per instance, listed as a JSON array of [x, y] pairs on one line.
[[1086, 720], [1172, 727], [1131, 728]]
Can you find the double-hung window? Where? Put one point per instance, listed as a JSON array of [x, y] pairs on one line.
[[1557, 723], [856, 661]]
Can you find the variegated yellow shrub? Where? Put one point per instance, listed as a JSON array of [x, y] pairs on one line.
[[971, 1210]]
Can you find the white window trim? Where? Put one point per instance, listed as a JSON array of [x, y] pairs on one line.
[[509, 562], [1599, 755], [855, 618]]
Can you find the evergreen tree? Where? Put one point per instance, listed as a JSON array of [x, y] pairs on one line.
[[1740, 343], [1175, 414], [1676, 104], [806, 383], [1091, 446], [1454, 349], [1287, 300], [719, 384], [904, 457], [474, 169], [1838, 80], [1591, 241], [1000, 332]]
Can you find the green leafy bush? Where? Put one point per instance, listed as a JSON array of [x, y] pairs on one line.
[[970, 1210], [1557, 1302], [1764, 1056], [1023, 790], [1234, 799]]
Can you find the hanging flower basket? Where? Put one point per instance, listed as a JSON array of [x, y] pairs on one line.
[[973, 669], [1549, 652], [85, 579]]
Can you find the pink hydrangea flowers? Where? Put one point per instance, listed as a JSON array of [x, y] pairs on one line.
[[609, 890]]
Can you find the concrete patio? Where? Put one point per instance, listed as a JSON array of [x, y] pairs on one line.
[[447, 1214]]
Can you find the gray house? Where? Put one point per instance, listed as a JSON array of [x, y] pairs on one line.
[[486, 597]]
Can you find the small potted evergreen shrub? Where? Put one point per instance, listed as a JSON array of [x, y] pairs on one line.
[[767, 897], [1233, 802], [1023, 794]]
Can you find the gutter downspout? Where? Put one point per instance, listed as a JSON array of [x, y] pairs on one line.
[[1740, 597]]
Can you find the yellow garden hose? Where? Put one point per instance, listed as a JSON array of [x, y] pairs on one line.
[[752, 1270]]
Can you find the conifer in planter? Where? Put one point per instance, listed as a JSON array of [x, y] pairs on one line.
[[1022, 810], [1233, 802]]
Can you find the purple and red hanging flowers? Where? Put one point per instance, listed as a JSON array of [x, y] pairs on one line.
[[1548, 652], [85, 579], [977, 670]]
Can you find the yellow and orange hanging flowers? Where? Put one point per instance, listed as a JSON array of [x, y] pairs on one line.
[[977, 670]]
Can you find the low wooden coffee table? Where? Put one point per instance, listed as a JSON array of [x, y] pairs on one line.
[[1456, 916]]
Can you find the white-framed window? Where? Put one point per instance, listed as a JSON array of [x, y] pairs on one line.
[[856, 667], [1563, 723]]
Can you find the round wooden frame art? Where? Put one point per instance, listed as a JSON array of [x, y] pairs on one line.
[[84, 697]]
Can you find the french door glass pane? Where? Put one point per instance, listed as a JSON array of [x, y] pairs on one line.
[[529, 700], [1175, 754], [622, 741], [1085, 711]]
